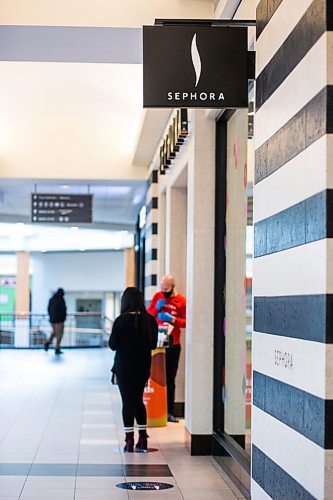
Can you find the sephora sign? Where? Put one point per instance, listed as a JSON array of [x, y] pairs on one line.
[[195, 67]]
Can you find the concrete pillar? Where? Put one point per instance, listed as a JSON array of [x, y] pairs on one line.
[[200, 284], [292, 439]]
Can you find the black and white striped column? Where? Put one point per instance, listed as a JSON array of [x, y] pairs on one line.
[[151, 266], [292, 420]]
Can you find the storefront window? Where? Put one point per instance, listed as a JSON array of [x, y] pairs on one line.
[[233, 332]]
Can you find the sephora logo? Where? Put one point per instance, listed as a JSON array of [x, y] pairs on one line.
[[195, 96], [195, 66], [196, 59]]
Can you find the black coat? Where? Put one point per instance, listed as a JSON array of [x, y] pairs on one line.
[[133, 337], [57, 309]]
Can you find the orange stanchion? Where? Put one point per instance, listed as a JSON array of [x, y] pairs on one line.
[[155, 394]]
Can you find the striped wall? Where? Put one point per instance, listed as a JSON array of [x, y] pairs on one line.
[[151, 266], [292, 421]]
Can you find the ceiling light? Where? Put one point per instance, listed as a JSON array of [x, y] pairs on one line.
[[65, 186]]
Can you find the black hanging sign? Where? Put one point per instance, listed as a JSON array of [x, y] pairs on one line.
[[61, 208], [195, 67]]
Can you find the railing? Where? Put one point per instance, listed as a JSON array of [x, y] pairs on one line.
[[32, 330]]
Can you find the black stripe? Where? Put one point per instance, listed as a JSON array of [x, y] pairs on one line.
[[143, 470], [306, 317], [329, 15], [152, 205], [151, 230], [92, 470], [277, 483], [307, 126], [151, 280], [151, 255], [153, 179], [305, 34], [300, 410], [265, 11], [307, 221]]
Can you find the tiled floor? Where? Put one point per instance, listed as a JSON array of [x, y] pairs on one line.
[[61, 436]]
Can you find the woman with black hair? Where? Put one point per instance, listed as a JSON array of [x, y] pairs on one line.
[[134, 335]]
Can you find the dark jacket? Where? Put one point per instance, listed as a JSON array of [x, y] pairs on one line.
[[57, 309], [133, 337]]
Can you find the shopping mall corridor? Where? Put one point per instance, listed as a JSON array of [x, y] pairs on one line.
[[61, 436]]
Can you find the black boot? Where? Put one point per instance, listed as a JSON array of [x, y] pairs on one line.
[[47, 345], [129, 440], [142, 444]]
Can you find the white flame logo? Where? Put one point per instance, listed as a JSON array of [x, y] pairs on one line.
[[196, 59]]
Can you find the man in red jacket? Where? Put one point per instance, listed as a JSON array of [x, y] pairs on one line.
[[169, 308]]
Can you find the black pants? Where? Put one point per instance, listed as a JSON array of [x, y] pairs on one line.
[[131, 392], [57, 333], [172, 356]]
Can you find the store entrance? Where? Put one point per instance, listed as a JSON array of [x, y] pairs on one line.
[[233, 285]]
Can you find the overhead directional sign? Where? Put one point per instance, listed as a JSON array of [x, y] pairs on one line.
[[61, 208]]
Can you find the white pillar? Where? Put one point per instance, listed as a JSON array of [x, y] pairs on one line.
[[200, 278]]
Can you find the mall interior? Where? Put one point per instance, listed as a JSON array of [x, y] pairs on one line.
[[230, 197]]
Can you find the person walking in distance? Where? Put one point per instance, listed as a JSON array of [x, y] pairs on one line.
[[57, 311], [169, 307], [134, 335]]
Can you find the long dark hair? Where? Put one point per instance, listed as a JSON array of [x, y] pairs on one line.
[[131, 302]]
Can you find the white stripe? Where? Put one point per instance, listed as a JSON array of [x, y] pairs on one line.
[[298, 456], [300, 178], [302, 84], [279, 28], [257, 493], [151, 242], [152, 217], [308, 369], [297, 271], [151, 267], [152, 192]]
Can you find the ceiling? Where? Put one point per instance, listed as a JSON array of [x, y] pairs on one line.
[[71, 103]]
